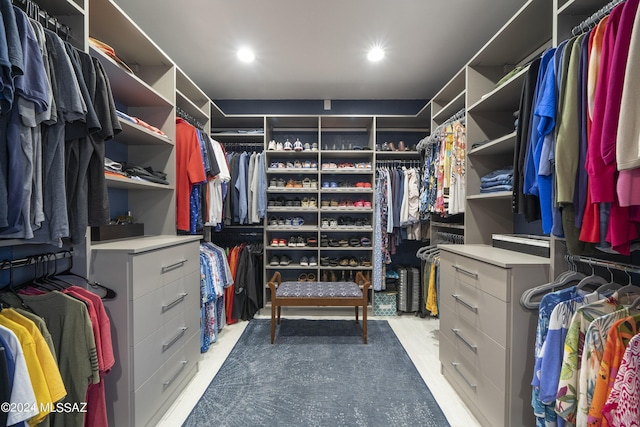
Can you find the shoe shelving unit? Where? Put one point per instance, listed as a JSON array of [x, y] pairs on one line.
[[321, 185]]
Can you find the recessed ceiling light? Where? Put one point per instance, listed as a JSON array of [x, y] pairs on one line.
[[246, 55], [375, 54]]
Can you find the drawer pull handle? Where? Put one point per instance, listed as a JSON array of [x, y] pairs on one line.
[[174, 303], [469, 383], [463, 302], [166, 346], [174, 266], [167, 383], [467, 272], [464, 340]]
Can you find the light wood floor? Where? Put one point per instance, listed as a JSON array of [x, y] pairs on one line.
[[418, 336]]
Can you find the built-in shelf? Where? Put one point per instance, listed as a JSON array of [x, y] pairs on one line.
[[491, 196], [128, 88], [505, 97], [455, 105], [447, 225], [130, 184], [504, 145], [134, 134], [579, 7], [190, 107]]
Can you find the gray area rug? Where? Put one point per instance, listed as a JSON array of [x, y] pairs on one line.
[[318, 373]]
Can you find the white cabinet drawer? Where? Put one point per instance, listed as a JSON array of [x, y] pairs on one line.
[[483, 354], [486, 277], [151, 396], [158, 347], [152, 310], [475, 386], [479, 309], [154, 269]]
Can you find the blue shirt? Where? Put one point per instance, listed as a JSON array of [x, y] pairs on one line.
[[262, 186], [530, 170]]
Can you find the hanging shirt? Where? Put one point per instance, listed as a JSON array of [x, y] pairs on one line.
[[623, 405], [22, 390], [189, 170], [566, 400]]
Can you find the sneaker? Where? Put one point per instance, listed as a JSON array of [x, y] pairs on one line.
[[304, 261], [279, 146], [272, 145], [293, 241], [300, 241], [307, 146], [275, 260], [314, 146], [288, 146], [285, 260], [297, 146], [313, 261]]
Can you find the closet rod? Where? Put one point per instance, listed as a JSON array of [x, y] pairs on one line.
[[189, 118], [593, 20], [627, 268], [35, 12], [24, 262], [433, 138]]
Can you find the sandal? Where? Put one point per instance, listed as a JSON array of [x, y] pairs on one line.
[[302, 277], [353, 262], [365, 241], [344, 262], [354, 242], [311, 277]]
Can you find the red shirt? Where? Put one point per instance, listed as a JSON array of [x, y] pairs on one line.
[[189, 169]]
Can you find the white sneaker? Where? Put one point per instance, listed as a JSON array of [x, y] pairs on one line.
[[278, 146], [297, 146], [314, 146], [272, 145], [307, 146], [288, 146]]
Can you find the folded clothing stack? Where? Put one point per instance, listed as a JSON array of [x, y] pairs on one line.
[[130, 170], [498, 180]]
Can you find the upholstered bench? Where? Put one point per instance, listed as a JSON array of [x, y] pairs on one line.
[[329, 294]]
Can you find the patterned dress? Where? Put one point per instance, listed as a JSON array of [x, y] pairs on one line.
[[623, 405]]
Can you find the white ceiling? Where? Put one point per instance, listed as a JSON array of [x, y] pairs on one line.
[[317, 49]]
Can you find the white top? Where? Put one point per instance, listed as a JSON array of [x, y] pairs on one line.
[[144, 244]]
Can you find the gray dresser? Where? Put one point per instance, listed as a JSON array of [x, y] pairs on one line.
[[155, 322], [486, 337]]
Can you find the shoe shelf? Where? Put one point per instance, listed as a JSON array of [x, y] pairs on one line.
[[349, 190], [284, 190], [291, 228]]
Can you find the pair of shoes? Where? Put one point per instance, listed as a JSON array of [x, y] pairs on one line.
[[285, 260], [307, 277]]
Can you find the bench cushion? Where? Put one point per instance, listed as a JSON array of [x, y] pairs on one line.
[[319, 290]]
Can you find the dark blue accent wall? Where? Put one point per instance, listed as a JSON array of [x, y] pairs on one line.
[[408, 107]]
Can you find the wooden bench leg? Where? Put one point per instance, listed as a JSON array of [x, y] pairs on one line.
[[273, 322], [279, 311], [357, 309], [364, 323]]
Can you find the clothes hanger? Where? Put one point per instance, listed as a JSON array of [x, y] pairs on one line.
[[12, 287], [593, 279], [109, 293]]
